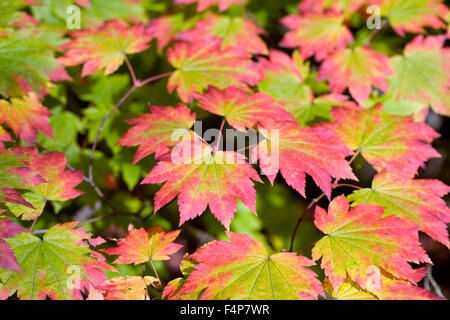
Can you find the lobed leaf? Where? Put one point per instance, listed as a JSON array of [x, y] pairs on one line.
[[357, 239], [202, 63], [418, 201], [242, 269], [140, 246]]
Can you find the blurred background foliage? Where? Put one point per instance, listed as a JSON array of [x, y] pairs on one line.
[[78, 107]]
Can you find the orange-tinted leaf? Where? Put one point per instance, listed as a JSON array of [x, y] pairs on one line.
[[316, 34], [356, 69], [8, 229], [205, 4], [357, 239], [25, 116], [243, 111], [104, 47], [416, 201], [242, 269], [127, 288], [296, 151], [156, 132], [202, 63], [234, 32], [140, 246], [201, 176]]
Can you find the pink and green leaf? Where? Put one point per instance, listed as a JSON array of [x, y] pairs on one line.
[[357, 69], [316, 34], [395, 143], [418, 201], [104, 47], [296, 151], [202, 63], [156, 132], [242, 269], [201, 176], [359, 238]]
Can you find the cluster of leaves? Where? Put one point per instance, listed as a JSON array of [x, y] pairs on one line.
[[334, 92]]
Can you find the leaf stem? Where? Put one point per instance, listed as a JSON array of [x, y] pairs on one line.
[[309, 245], [347, 185], [219, 139], [33, 224], [302, 217], [156, 273]]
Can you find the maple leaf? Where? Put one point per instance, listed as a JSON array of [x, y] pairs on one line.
[[128, 288], [155, 132], [172, 289], [395, 143], [241, 110], [54, 266], [422, 74], [15, 174], [348, 6], [234, 32], [392, 289], [32, 70], [165, 28], [104, 47], [356, 69], [283, 80], [205, 4], [58, 185], [416, 201], [317, 34], [202, 63], [413, 15], [8, 229], [25, 116], [140, 246], [357, 239], [202, 176], [296, 151], [242, 269]]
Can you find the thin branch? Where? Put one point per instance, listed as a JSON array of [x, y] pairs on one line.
[[309, 245], [132, 73], [33, 224], [102, 124], [299, 221], [136, 84], [154, 78], [302, 217]]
